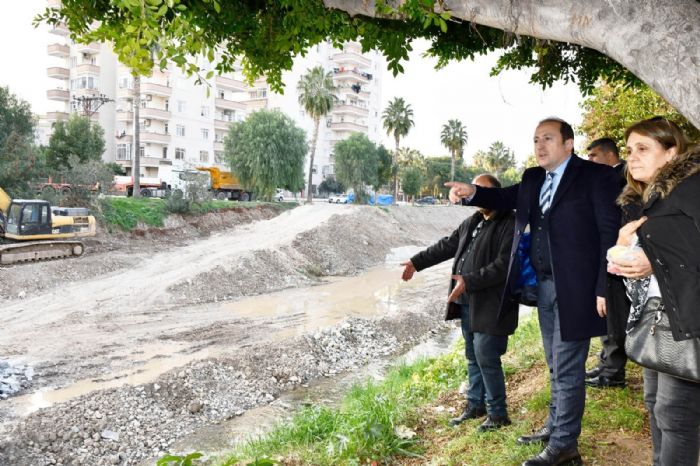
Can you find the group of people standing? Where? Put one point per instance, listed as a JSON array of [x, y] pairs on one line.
[[570, 212]]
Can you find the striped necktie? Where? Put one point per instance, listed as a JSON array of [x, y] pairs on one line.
[[546, 195]]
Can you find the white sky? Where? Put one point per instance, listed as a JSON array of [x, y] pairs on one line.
[[504, 108]]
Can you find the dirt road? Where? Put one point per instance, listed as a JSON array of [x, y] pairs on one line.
[[182, 309]]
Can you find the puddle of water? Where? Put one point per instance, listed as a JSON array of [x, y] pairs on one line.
[[292, 312]]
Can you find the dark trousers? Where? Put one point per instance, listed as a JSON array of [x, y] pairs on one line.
[[487, 386], [612, 357], [567, 370], [674, 415]]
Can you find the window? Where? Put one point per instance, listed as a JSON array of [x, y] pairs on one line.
[[205, 134], [218, 156], [181, 106], [180, 130], [166, 128], [84, 82], [179, 153], [205, 112], [167, 105], [221, 94], [142, 151], [123, 151], [165, 152], [73, 62], [203, 156]]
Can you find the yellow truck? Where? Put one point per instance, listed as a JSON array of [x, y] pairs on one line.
[[31, 229], [225, 185]]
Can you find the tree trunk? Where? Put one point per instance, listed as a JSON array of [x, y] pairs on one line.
[[658, 41], [136, 161], [395, 166], [309, 189], [452, 167]]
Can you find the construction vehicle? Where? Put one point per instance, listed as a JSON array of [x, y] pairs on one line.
[[31, 230], [225, 185]]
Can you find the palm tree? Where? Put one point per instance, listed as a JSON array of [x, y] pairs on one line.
[[454, 137], [398, 119], [317, 96]]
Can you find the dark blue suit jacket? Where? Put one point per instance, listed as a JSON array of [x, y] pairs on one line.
[[584, 222]]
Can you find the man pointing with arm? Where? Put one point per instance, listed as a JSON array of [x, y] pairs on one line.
[[569, 204]]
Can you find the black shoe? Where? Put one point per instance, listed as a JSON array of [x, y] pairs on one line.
[[470, 412], [493, 423], [551, 456], [595, 372], [603, 381], [541, 435]]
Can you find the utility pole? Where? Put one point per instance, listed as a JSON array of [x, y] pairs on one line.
[[91, 103]]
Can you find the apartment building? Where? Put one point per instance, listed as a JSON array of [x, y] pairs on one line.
[[183, 125]]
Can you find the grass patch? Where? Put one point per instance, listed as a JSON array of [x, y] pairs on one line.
[[403, 420]]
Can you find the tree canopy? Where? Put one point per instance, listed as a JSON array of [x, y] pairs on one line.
[[356, 163], [454, 137], [267, 151], [570, 41], [77, 137]]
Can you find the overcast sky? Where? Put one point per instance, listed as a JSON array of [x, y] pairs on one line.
[[504, 108]]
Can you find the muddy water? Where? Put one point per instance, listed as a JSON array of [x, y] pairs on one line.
[[283, 314]]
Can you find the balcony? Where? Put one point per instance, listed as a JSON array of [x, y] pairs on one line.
[[154, 138], [230, 104], [125, 93], [54, 3], [352, 58], [348, 126], [350, 109], [58, 72], [58, 94], [87, 68], [156, 89], [59, 29], [125, 116], [230, 84], [58, 50], [218, 146], [87, 92], [56, 116], [222, 125], [124, 139], [256, 104], [89, 49], [154, 114], [352, 76]]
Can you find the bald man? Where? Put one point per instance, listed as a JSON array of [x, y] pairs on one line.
[[480, 247]]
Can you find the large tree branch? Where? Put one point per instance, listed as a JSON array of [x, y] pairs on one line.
[[657, 40]]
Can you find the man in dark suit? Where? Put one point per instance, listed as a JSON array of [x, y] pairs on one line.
[[610, 371], [480, 248], [569, 204]]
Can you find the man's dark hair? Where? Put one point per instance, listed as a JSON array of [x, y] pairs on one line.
[[567, 132], [606, 145], [493, 181]]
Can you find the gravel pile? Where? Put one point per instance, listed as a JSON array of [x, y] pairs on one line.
[[14, 379], [129, 425]]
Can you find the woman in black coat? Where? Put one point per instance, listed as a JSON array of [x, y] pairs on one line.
[[663, 192]]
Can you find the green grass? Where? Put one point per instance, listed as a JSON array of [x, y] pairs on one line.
[[124, 213]]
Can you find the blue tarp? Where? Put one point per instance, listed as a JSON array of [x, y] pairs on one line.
[[382, 199]]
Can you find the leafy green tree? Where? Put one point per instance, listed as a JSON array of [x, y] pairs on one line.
[[267, 151], [612, 108], [454, 137], [384, 167], [398, 119], [316, 96], [266, 36], [76, 137], [86, 179], [411, 181], [438, 173], [15, 117], [20, 164], [330, 185], [410, 158], [356, 164], [496, 160]]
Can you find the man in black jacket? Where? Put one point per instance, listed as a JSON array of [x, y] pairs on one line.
[[480, 247], [610, 371]]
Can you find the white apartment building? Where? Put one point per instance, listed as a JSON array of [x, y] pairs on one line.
[[183, 125]]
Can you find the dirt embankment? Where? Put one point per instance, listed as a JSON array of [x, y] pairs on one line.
[[158, 297]]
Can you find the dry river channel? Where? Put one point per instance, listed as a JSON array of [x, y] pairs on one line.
[[134, 363]]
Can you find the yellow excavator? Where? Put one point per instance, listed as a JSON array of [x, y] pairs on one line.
[[32, 230]]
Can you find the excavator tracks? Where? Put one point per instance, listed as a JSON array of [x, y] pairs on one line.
[[11, 253]]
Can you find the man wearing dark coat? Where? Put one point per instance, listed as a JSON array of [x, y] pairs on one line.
[[480, 247], [569, 205], [610, 371]]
